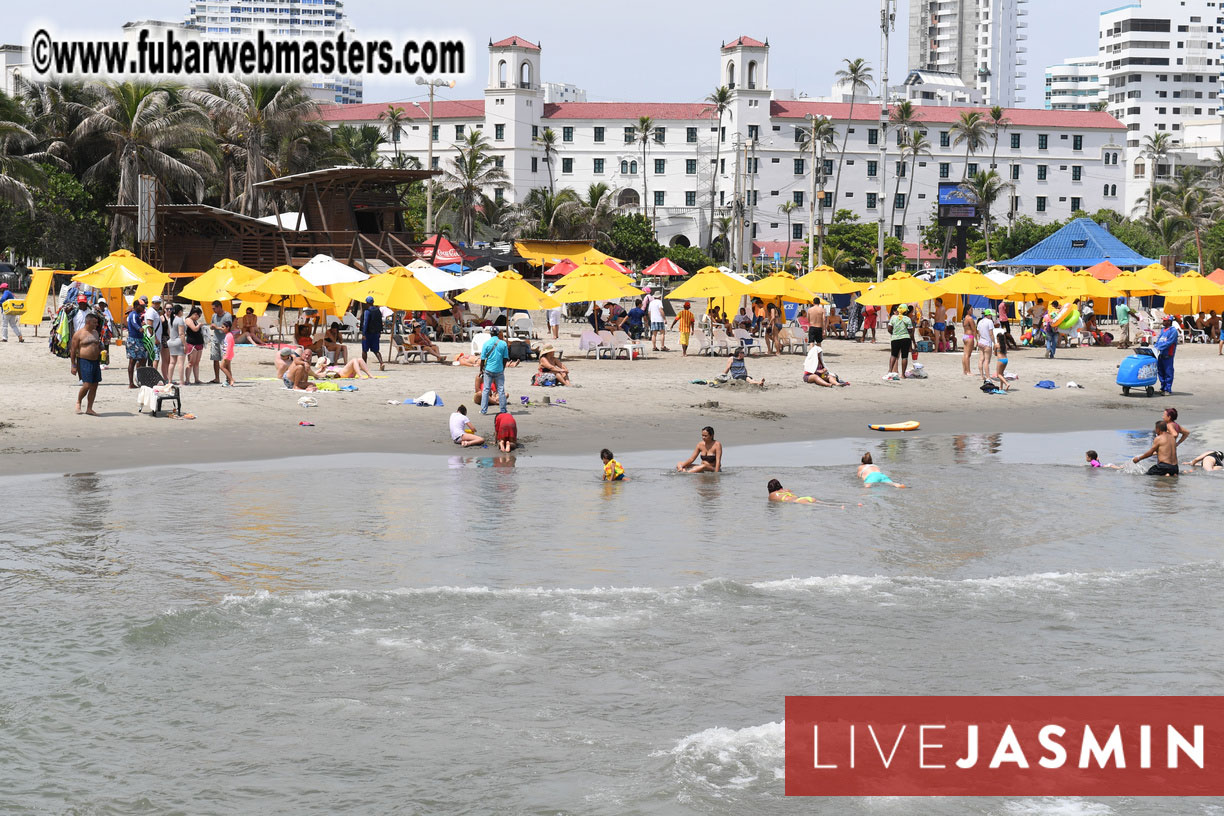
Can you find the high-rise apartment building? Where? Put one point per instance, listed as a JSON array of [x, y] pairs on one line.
[[982, 41], [281, 19], [1074, 85], [1160, 65]]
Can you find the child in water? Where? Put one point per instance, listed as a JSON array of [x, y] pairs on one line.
[[1091, 457], [612, 472]]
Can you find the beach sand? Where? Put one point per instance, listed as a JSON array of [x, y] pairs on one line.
[[623, 405]]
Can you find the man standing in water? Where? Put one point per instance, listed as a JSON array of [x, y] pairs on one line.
[[85, 350], [1165, 448], [1166, 347]]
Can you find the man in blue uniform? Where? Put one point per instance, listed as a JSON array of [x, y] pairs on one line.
[[1166, 348]]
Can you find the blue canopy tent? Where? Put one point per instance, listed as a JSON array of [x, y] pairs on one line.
[[1081, 243]]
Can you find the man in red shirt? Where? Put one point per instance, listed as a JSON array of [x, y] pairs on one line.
[[506, 431]]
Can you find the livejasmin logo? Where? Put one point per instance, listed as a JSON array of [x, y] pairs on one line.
[[1005, 746]]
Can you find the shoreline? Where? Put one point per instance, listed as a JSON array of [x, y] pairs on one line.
[[628, 406]]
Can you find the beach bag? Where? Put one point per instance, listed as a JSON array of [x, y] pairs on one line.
[[14, 307], [61, 333]]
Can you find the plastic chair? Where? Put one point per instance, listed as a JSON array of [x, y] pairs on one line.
[[747, 342], [150, 377], [636, 349], [610, 345], [591, 342], [521, 325], [479, 340], [720, 340]]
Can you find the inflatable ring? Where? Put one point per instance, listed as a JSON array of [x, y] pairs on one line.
[[1067, 318]]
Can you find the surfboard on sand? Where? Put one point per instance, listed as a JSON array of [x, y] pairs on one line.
[[912, 425]]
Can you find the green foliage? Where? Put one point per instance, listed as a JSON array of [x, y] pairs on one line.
[[632, 238], [689, 258], [66, 230]]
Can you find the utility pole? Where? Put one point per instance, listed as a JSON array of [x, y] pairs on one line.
[[737, 212], [750, 198], [433, 84], [812, 204], [888, 14]]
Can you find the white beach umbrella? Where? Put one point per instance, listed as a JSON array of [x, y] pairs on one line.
[[433, 277], [476, 277], [998, 276], [324, 270]]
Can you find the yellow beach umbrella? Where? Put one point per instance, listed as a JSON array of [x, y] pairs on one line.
[[781, 285], [403, 293], [218, 283], [1132, 284], [1190, 285], [828, 280], [1082, 285], [593, 270], [1157, 273], [1027, 286], [588, 283], [1055, 275], [900, 287], [970, 281], [120, 269], [508, 291], [285, 287], [708, 282]]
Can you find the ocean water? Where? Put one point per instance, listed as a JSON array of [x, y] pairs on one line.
[[476, 634]]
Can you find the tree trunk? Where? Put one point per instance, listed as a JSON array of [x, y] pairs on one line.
[[908, 196], [645, 191], [842, 158], [892, 216], [714, 183], [548, 160]]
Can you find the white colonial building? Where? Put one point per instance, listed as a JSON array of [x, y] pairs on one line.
[[1058, 161]]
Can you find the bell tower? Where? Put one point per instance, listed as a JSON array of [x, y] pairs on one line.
[[514, 107]]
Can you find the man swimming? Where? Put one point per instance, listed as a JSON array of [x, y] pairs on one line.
[[1165, 448], [872, 475]]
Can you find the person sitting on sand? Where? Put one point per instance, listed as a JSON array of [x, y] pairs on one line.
[[1164, 446], [297, 376], [421, 340], [461, 430], [333, 346], [284, 359], [778, 494], [612, 472], [1211, 460], [551, 366], [737, 369], [248, 330], [836, 325], [818, 374], [354, 369], [925, 332], [872, 475], [707, 456]]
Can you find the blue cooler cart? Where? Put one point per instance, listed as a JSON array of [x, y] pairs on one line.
[[1138, 371]]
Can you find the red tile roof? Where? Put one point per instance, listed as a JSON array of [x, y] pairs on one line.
[[939, 114], [513, 41], [442, 109], [745, 41], [659, 111], [770, 247]]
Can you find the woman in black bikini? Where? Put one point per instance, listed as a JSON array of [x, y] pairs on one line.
[[707, 456], [1211, 460]]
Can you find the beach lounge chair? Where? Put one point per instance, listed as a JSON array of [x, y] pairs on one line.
[[348, 326], [611, 345], [448, 329], [636, 349], [720, 342], [400, 347], [150, 377], [1192, 332], [748, 342]]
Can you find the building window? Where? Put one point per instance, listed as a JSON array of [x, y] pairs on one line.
[[499, 162], [1077, 172], [1015, 141], [828, 167], [660, 135], [633, 167], [629, 134], [567, 165], [1041, 203], [535, 132], [499, 195], [872, 168], [1113, 190], [690, 167], [945, 170], [659, 197], [499, 132], [1015, 172], [1105, 192], [873, 136], [535, 164], [567, 134], [797, 197], [599, 134], [434, 164], [1075, 204], [1043, 141], [754, 166], [1077, 142], [972, 169], [690, 135], [799, 165], [690, 198], [900, 169], [1042, 170], [437, 129], [796, 231], [753, 133], [458, 132], [871, 201], [722, 134], [660, 166], [598, 168], [899, 201], [624, 167], [945, 139]]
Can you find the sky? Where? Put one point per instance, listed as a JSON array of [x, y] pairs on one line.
[[629, 50]]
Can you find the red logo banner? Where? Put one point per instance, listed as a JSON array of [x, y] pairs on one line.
[[1005, 746]]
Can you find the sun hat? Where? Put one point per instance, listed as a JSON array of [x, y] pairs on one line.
[[157, 298], [988, 312], [548, 349], [3, 285]]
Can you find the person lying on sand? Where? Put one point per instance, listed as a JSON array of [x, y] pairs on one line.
[[872, 475], [354, 369]]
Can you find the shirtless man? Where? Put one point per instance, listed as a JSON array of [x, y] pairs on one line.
[[818, 320], [872, 475], [1165, 448], [85, 350]]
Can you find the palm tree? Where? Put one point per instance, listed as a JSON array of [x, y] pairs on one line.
[[52, 110], [822, 129], [547, 214], [970, 129], [998, 123], [147, 130], [548, 140], [719, 100], [466, 177], [723, 225], [1156, 149], [18, 172], [787, 208], [503, 219], [395, 117], [593, 215], [644, 133], [856, 74], [916, 146], [1189, 202], [840, 259], [253, 116], [358, 146], [984, 189], [1216, 167]]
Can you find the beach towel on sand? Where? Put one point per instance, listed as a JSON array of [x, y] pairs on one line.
[[1045, 384], [428, 399]]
